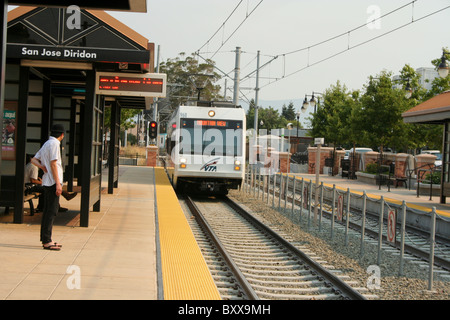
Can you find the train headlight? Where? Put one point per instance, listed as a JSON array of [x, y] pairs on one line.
[[211, 113], [237, 165], [183, 163]]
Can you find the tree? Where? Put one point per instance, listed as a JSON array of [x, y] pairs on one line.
[[187, 77], [288, 112], [270, 117], [333, 119], [416, 136], [379, 116]]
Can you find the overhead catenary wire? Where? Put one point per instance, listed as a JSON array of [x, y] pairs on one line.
[[354, 46], [237, 28], [222, 26], [309, 47]]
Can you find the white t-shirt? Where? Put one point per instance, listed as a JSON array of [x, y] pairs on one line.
[[50, 151], [31, 172]]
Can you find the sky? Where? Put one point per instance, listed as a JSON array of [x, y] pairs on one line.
[[278, 27]]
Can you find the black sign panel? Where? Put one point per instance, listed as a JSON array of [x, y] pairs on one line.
[[142, 85], [39, 52]]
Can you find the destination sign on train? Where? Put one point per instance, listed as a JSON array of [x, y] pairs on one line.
[[141, 85]]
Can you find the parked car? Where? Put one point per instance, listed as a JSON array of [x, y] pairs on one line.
[[436, 153], [357, 150]]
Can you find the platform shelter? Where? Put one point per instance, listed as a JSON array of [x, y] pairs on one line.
[[436, 111], [53, 62]]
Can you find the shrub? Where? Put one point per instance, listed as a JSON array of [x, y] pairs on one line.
[[435, 177], [372, 168]]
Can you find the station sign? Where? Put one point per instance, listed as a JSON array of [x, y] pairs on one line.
[[79, 54], [129, 84]]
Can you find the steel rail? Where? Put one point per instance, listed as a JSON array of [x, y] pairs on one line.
[[245, 285], [345, 289], [419, 253]]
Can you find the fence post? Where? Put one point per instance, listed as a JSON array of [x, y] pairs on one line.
[[293, 197], [259, 183], [363, 223], [273, 190], [286, 189], [309, 203], [347, 216], [321, 206], [402, 241], [302, 194], [380, 231], [432, 239], [280, 191], [246, 180], [254, 181], [333, 207]]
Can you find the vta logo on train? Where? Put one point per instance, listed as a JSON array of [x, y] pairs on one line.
[[210, 166]]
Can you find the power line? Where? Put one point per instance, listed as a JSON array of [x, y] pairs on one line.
[[222, 25], [358, 45], [235, 30], [349, 31]]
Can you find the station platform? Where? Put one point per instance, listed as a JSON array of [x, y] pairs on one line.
[[393, 194], [115, 258]]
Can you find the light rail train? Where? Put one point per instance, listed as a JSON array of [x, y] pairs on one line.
[[206, 146]]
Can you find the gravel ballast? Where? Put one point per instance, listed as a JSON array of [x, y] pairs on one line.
[[346, 258]]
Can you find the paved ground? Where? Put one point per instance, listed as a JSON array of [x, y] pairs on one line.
[[115, 255]]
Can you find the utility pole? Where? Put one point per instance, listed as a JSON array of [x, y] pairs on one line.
[[155, 100], [237, 71], [255, 123], [155, 104], [225, 91]]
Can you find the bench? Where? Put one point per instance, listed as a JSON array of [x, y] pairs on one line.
[[400, 180], [27, 198]]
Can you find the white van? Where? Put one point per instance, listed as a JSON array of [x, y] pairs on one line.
[[437, 153]]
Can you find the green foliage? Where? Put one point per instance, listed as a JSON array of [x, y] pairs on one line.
[[373, 117], [187, 76], [288, 112], [434, 177], [270, 117], [372, 168], [333, 119]]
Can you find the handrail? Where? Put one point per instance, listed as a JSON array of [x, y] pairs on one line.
[[432, 169]]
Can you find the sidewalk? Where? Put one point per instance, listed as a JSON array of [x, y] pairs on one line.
[[396, 195], [114, 258]]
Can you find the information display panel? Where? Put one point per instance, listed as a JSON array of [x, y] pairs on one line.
[[129, 84]]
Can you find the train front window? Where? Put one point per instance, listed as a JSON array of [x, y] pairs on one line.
[[211, 137]]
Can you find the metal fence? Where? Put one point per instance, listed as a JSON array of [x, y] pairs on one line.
[[293, 197]]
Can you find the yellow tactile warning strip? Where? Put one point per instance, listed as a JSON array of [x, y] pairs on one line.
[[184, 270]]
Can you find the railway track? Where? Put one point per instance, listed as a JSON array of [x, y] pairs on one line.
[[258, 262], [417, 241]]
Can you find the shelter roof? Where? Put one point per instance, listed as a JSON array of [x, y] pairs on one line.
[[435, 110], [119, 5]]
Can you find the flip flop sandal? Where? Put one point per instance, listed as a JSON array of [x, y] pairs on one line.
[[56, 244], [51, 247]]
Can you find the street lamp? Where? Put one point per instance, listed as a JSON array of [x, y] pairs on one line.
[[443, 66], [289, 127], [408, 90], [312, 102], [298, 115]]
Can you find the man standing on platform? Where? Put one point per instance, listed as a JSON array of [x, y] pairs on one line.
[[48, 158]]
